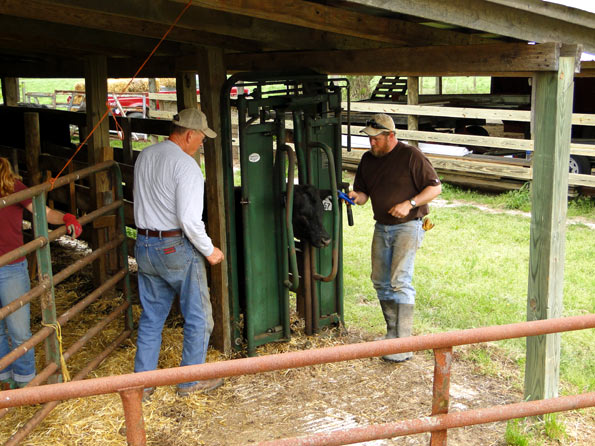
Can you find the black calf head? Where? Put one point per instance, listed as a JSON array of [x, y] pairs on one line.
[[307, 216]]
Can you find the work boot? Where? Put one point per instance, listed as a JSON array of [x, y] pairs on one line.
[[403, 330], [390, 310], [201, 386]]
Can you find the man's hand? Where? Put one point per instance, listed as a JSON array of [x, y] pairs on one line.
[[73, 227], [400, 210], [358, 197], [216, 257]]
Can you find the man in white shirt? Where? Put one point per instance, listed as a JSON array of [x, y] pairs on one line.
[[172, 245]]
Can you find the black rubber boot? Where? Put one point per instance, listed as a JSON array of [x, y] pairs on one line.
[[403, 329], [390, 311]]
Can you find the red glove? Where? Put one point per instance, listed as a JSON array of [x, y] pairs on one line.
[[73, 227]]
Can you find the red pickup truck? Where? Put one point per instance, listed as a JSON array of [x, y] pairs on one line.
[[137, 104]]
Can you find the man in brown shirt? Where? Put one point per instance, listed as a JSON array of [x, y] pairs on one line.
[[401, 182]]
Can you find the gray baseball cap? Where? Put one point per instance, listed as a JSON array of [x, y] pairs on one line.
[[194, 119], [379, 123]]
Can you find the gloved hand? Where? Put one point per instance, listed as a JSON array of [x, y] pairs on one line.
[[73, 227]]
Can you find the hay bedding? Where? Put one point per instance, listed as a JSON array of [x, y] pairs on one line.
[[254, 408]]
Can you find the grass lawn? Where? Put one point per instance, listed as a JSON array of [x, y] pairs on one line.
[[472, 271]]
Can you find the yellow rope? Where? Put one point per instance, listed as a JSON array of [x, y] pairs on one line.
[[56, 326]]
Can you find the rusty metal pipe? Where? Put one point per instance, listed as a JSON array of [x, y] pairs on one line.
[[133, 414], [62, 181], [439, 422], [307, 287], [441, 390], [245, 366], [63, 319], [40, 242], [47, 408], [80, 343], [74, 348], [43, 286]]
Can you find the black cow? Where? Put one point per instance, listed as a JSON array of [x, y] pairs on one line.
[[307, 216]]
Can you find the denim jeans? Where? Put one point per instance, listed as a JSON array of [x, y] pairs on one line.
[[168, 266], [393, 257], [16, 329]]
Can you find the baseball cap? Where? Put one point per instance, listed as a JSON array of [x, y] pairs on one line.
[[194, 119], [378, 124]]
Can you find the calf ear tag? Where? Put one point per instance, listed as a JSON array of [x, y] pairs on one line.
[[327, 203], [169, 250]]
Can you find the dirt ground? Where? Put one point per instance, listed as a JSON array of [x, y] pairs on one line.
[[296, 402]]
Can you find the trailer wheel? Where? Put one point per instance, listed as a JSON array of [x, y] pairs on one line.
[[579, 164]]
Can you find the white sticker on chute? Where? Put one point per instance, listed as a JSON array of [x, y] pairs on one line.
[[254, 157]]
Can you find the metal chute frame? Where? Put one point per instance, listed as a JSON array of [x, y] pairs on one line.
[[314, 103]]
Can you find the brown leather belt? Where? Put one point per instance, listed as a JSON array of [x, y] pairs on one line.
[[151, 233]]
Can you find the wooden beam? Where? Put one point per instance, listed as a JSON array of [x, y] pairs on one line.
[[75, 39], [552, 10], [212, 75], [32, 147], [10, 91], [413, 99], [341, 21], [421, 61], [98, 148], [186, 90], [101, 19], [524, 24], [553, 109], [216, 28]]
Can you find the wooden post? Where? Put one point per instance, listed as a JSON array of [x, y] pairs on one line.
[[413, 99], [32, 147], [186, 96], [152, 104], [439, 85], [10, 91], [186, 90], [212, 76], [553, 110], [98, 149]]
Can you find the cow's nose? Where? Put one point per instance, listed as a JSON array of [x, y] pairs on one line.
[[325, 241]]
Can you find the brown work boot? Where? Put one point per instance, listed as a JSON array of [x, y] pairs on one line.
[[201, 386], [147, 393]]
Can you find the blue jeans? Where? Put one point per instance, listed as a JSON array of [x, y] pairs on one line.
[[16, 329], [393, 257], [168, 266]]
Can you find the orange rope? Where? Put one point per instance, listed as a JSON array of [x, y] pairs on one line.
[[53, 180]]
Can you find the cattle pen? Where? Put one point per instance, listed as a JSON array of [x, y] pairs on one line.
[[130, 387]]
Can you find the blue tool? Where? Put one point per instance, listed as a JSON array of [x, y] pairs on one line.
[[345, 197]]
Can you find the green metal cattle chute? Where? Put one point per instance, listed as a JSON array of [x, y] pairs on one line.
[[289, 127]]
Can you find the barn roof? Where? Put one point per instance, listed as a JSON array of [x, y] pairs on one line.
[[49, 38]]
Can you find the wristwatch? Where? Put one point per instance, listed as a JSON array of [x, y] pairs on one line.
[[413, 203]]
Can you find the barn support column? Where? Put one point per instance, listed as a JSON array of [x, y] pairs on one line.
[[98, 150], [413, 99], [186, 95], [553, 112], [10, 91], [212, 76], [32, 147]]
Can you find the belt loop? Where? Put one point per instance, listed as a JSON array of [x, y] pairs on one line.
[[160, 234]]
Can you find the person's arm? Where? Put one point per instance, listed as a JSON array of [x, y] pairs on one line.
[[402, 209], [55, 217]]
